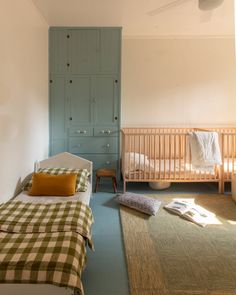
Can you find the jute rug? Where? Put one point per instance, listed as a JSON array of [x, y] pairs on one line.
[[168, 255]]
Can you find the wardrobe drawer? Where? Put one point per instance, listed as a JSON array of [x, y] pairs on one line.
[[105, 131], [81, 131], [101, 145], [102, 161]]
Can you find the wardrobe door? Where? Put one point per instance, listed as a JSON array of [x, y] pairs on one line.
[[58, 51], [58, 115], [110, 47], [80, 101], [105, 98], [83, 51]]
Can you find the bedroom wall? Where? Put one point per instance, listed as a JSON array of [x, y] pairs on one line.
[[178, 82], [23, 92]]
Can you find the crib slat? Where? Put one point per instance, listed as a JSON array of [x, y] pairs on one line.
[[129, 166], [159, 156], [180, 154], [155, 156], [174, 156], [149, 156], [227, 156], [145, 157], [233, 153], [185, 154], [164, 154], [170, 157]]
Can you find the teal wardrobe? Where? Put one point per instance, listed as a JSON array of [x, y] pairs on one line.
[[84, 70]]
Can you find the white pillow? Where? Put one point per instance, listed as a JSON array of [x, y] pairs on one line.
[[135, 161]]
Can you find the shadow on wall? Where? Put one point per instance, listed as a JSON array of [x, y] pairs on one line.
[[21, 184]]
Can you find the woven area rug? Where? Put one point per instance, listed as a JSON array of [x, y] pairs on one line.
[[168, 255]]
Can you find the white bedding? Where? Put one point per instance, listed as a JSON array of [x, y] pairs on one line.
[[81, 196], [168, 166]]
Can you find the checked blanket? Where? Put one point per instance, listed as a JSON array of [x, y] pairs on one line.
[[44, 243]]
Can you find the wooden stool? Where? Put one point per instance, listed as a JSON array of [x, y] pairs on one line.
[[104, 172]]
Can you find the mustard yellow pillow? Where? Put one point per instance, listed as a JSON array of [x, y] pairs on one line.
[[44, 184]]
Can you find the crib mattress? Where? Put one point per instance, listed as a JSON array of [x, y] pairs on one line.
[[177, 169]]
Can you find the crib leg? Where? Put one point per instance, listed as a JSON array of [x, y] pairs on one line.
[[124, 186], [221, 187]]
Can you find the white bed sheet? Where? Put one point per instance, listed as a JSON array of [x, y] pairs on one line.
[[80, 196]]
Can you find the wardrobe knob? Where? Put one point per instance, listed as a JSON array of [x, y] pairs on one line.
[[81, 131]]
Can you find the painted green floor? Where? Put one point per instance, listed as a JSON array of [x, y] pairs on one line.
[[106, 273], [106, 270]]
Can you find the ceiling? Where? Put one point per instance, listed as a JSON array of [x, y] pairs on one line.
[[141, 17]]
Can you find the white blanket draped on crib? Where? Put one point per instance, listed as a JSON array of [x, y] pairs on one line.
[[205, 150]]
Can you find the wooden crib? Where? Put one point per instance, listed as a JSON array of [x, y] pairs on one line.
[[163, 155]]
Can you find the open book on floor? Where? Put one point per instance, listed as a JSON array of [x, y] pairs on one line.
[[191, 211]]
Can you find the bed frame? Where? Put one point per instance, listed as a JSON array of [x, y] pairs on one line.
[[163, 155], [66, 160]]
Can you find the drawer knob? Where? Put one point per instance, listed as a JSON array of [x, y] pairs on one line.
[[107, 145], [108, 131], [81, 131], [108, 162]]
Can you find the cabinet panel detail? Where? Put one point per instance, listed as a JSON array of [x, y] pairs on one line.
[[110, 51], [104, 91], [80, 102], [83, 51], [57, 107], [58, 52]]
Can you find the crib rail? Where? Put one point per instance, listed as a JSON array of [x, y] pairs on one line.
[[229, 155], [163, 154]]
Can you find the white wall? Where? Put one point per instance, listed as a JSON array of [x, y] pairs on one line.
[[23, 92], [178, 82]]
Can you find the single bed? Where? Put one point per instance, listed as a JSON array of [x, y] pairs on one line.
[[64, 160]]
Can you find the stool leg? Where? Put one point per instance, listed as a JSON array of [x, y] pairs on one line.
[[114, 184], [97, 183]]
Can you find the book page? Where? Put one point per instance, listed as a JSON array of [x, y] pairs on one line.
[[179, 207], [199, 215]]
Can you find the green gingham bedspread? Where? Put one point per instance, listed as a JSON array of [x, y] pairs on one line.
[[44, 243]]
